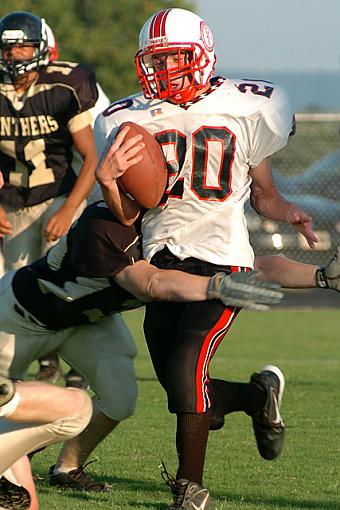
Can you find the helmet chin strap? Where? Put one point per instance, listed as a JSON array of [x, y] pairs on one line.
[[21, 81]]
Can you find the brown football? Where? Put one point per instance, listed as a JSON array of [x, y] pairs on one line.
[[145, 181]]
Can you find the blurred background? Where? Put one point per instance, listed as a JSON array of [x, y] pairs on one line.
[[293, 44]]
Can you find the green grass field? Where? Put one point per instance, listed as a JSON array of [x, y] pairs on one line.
[[305, 344]]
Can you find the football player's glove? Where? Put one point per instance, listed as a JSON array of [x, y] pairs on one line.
[[329, 277], [245, 290], [7, 390]]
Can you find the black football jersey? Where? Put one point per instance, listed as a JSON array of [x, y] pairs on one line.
[[35, 132], [73, 284]]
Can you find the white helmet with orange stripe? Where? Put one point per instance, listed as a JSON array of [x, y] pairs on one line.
[[181, 33], [52, 44]]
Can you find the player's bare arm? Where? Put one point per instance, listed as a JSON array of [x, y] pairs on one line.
[[244, 289], [288, 273], [116, 158], [292, 274], [268, 202], [61, 221]]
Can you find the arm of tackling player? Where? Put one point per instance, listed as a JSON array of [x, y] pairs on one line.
[[149, 283]]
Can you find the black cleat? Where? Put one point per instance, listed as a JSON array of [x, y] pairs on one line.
[[267, 423], [186, 495], [76, 479], [75, 380], [49, 372], [13, 497]]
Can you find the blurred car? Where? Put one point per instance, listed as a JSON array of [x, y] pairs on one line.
[[321, 178]]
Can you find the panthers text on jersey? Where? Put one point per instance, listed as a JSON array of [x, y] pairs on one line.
[[35, 132], [209, 144], [73, 284]]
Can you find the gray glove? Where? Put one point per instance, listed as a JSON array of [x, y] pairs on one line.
[[243, 289], [7, 390], [329, 277]]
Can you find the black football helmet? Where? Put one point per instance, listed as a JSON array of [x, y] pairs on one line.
[[23, 27]]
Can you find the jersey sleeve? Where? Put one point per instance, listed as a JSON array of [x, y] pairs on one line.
[[103, 136], [85, 87], [80, 121], [273, 127], [99, 134], [107, 123]]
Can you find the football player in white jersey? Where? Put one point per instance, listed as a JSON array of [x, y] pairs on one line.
[[217, 136]]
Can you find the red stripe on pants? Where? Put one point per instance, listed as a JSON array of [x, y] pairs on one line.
[[209, 346]]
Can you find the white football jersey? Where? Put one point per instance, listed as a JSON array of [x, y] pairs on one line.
[[209, 144]]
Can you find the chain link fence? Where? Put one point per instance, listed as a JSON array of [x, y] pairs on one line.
[[307, 172]]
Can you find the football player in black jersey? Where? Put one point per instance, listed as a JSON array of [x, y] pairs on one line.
[[44, 112]]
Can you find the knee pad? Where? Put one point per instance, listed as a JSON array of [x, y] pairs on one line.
[[116, 388], [118, 406]]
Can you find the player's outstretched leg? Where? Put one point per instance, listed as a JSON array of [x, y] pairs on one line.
[[267, 422]]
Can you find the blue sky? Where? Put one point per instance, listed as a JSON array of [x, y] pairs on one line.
[[296, 35]]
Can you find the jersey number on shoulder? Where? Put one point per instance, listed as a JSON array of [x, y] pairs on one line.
[[263, 90], [63, 69], [213, 150]]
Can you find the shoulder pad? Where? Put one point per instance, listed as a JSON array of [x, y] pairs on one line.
[[247, 97], [132, 108], [73, 75], [135, 102]]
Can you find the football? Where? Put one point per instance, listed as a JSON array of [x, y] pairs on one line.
[[146, 181]]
